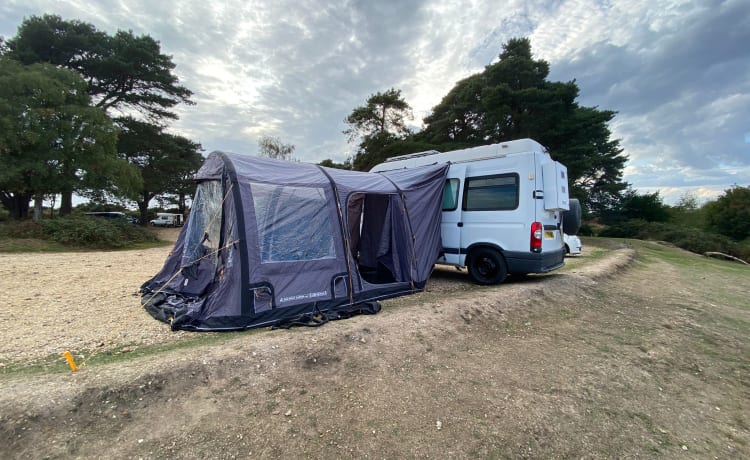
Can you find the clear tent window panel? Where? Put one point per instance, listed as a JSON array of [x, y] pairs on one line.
[[293, 223], [204, 225]]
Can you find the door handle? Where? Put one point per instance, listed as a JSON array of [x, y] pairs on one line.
[[460, 224]]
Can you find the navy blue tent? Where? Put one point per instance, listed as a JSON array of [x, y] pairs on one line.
[[271, 241]]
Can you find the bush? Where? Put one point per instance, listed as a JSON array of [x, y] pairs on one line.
[[688, 238], [586, 229], [93, 232], [730, 214], [21, 229]]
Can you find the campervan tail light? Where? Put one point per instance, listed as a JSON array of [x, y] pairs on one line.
[[536, 237]]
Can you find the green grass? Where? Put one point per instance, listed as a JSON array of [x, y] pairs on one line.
[[694, 263]]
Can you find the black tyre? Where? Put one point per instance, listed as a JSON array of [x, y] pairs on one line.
[[487, 266], [571, 219]]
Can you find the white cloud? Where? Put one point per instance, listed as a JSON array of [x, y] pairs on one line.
[[676, 71]]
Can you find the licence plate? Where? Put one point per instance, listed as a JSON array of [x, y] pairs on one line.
[[549, 234]]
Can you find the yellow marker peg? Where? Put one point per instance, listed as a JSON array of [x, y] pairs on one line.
[[68, 357]]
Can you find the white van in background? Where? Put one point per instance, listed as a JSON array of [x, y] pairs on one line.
[[164, 219], [502, 208], [573, 244]]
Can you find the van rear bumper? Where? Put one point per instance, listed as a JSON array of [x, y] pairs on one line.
[[529, 262]]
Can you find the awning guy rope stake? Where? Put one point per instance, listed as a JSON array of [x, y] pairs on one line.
[[69, 358]]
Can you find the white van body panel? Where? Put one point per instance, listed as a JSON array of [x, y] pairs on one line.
[[164, 219], [493, 195]]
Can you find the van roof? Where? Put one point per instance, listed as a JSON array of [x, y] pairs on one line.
[[457, 156]]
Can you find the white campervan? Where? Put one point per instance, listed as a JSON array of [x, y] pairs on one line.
[[164, 219], [502, 207]]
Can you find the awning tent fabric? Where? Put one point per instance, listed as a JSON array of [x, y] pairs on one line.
[[268, 241]]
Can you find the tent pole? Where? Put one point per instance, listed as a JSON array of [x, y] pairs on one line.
[[344, 235]]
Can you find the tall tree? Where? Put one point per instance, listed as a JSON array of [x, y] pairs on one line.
[[513, 99], [272, 147], [730, 214], [378, 123], [163, 159], [647, 206], [52, 141], [124, 72]]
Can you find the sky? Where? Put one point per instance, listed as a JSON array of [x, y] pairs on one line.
[[676, 72]]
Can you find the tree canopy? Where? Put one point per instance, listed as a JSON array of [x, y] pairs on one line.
[[328, 163], [730, 214], [123, 72], [513, 99], [51, 140], [272, 147], [377, 124], [165, 161], [115, 78]]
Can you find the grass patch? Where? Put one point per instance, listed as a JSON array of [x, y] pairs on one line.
[[15, 245], [56, 364], [685, 237], [75, 233]]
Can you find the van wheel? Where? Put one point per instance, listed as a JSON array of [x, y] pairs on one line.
[[487, 266]]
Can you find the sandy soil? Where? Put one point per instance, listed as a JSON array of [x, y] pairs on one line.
[[611, 357], [77, 301]]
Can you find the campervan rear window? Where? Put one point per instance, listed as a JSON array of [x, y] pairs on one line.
[[450, 195], [293, 223], [491, 193]]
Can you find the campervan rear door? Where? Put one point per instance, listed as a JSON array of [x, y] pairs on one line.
[[553, 182]]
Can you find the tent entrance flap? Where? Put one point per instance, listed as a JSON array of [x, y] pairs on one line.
[[378, 237]]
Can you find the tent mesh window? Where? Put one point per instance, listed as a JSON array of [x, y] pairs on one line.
[[293, 223]]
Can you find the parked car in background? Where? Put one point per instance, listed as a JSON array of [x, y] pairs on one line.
[[114, 215], [164, 219], [573, 244]]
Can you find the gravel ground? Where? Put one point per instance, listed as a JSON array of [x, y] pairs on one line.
[[77, 301], [88, 302]]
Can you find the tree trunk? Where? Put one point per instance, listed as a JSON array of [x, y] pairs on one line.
[[143, 207], [38, 202], [66, 203], [17, 204], [181, 203]]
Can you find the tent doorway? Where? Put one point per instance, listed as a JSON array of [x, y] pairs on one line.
[[375, 225]]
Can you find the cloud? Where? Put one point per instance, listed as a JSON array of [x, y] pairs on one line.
[[678, 78], [676, 71]]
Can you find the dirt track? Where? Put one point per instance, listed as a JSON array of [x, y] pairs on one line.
[[573, 364]]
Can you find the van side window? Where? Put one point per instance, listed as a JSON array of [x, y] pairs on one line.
[[491, 193], [450, 195]]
